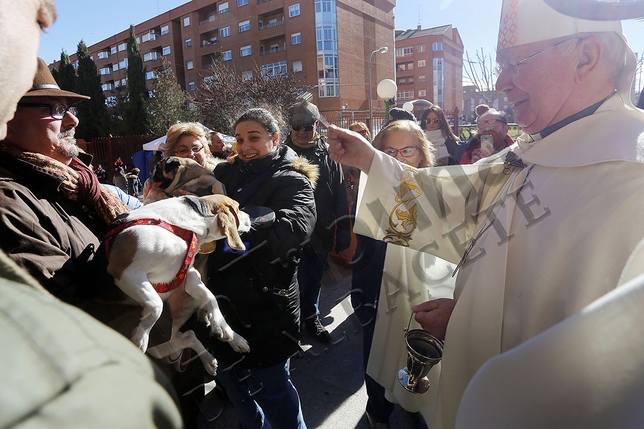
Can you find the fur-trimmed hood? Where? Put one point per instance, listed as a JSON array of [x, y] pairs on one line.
[[311, 171]]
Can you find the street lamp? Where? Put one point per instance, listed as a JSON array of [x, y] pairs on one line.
[[381, 50], [386, 90]]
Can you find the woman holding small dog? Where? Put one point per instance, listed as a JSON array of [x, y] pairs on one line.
[[189, 140], [258, 291]]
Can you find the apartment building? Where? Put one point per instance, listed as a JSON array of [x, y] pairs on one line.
[[429, 66], [327, 41], [472, 98]]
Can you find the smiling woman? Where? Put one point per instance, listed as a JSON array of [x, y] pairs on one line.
[[262, 301]]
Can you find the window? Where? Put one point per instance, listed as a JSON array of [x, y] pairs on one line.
[[323, 6], [113, 50], [186, 21], [403, 52], [188, 43], [166, 50], [421, 63], [245, 51], [150, 75], [191, 86], [410, 66], [190, 65], [150, 36], [247, 74], [107, 86], [115, 67], [410, 81], [274, 69], [405, 95], [151, 56], [223, 7], [122, 47], [422, 93], [293, 10], [224, 32], [421, 78], [241, 3], [244, 26], [103, 55], [228, 55], [124, 81], [296, 39], [165, 30], [297, 66], [401, 67], [110, 101], [117, 83], [105, 70], [401, 81], [421, 48], [437, 46]]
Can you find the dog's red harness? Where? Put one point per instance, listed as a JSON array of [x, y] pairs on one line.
[[186, 235]]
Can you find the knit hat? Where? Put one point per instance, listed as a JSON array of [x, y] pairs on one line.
[[398, 114], [302, 114], [45, 86], [530, 21]]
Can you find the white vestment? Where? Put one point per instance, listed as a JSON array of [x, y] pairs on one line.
[[562, 229], [409, 278]]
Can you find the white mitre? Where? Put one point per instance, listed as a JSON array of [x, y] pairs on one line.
[[530, 21]]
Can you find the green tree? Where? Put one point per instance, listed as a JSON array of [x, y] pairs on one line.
[[225, 94], [66, 75], [92, 113], [135, 114], [169, 103]]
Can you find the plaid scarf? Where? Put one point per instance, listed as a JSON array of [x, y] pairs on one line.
[[78, 184]]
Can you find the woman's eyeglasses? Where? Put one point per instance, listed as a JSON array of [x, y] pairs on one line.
[[184, 151], [305, 128], [407, 151], [432, 121]]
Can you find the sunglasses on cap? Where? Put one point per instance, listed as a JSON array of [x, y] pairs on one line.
[[305, 128]]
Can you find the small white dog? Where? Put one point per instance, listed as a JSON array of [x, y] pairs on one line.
[[151, 255]]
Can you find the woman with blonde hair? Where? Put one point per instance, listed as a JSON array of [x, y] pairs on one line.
[[189, 140], [387, 281]]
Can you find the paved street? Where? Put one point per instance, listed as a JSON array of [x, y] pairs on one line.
[[329, 378]]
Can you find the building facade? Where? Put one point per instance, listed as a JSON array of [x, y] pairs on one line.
[[327, 41], [429, 66], [472, 98]]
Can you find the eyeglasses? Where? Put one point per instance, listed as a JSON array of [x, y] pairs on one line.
[[490, 122], [56, 110], [432, 121], [407, 151], [513, 68], [305, 128], [184, 151]]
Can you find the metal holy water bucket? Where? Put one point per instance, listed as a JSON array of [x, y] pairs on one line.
[[423, 352]]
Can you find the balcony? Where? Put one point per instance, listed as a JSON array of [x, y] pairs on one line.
[[271, 24], [210, 19], [272, 50]]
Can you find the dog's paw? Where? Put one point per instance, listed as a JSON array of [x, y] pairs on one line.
[[140, 339], [211, 367], [239, 343]]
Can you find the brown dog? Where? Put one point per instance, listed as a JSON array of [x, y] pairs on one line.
[[150, 257], [174, 176]]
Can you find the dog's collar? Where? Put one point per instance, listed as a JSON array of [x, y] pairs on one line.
[[188, 236]]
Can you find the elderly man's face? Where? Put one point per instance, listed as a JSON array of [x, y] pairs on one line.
[[492, 122], [540, 88], [304, 134], [20, 26], [217, 143], [34, 130]]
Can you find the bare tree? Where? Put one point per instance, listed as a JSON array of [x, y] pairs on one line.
[[480, 72], [226, 94]]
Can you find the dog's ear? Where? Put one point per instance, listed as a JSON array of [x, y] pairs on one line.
[[228, 224], [171, 164], [207, 248], [197, 204]]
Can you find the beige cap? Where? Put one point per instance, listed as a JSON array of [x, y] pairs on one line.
[[530, 21]]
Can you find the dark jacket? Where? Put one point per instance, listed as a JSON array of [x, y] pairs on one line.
[[333, 224], [50, 236], [258, 292]]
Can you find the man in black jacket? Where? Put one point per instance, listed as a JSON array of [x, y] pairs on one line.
[[333, 225]]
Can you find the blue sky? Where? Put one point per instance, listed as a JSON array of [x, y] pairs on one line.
[[476, 20]]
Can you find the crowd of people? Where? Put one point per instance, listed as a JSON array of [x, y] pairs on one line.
[[524, 256]]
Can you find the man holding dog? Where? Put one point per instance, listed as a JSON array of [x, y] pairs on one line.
[[541, 229], [97, 369]]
